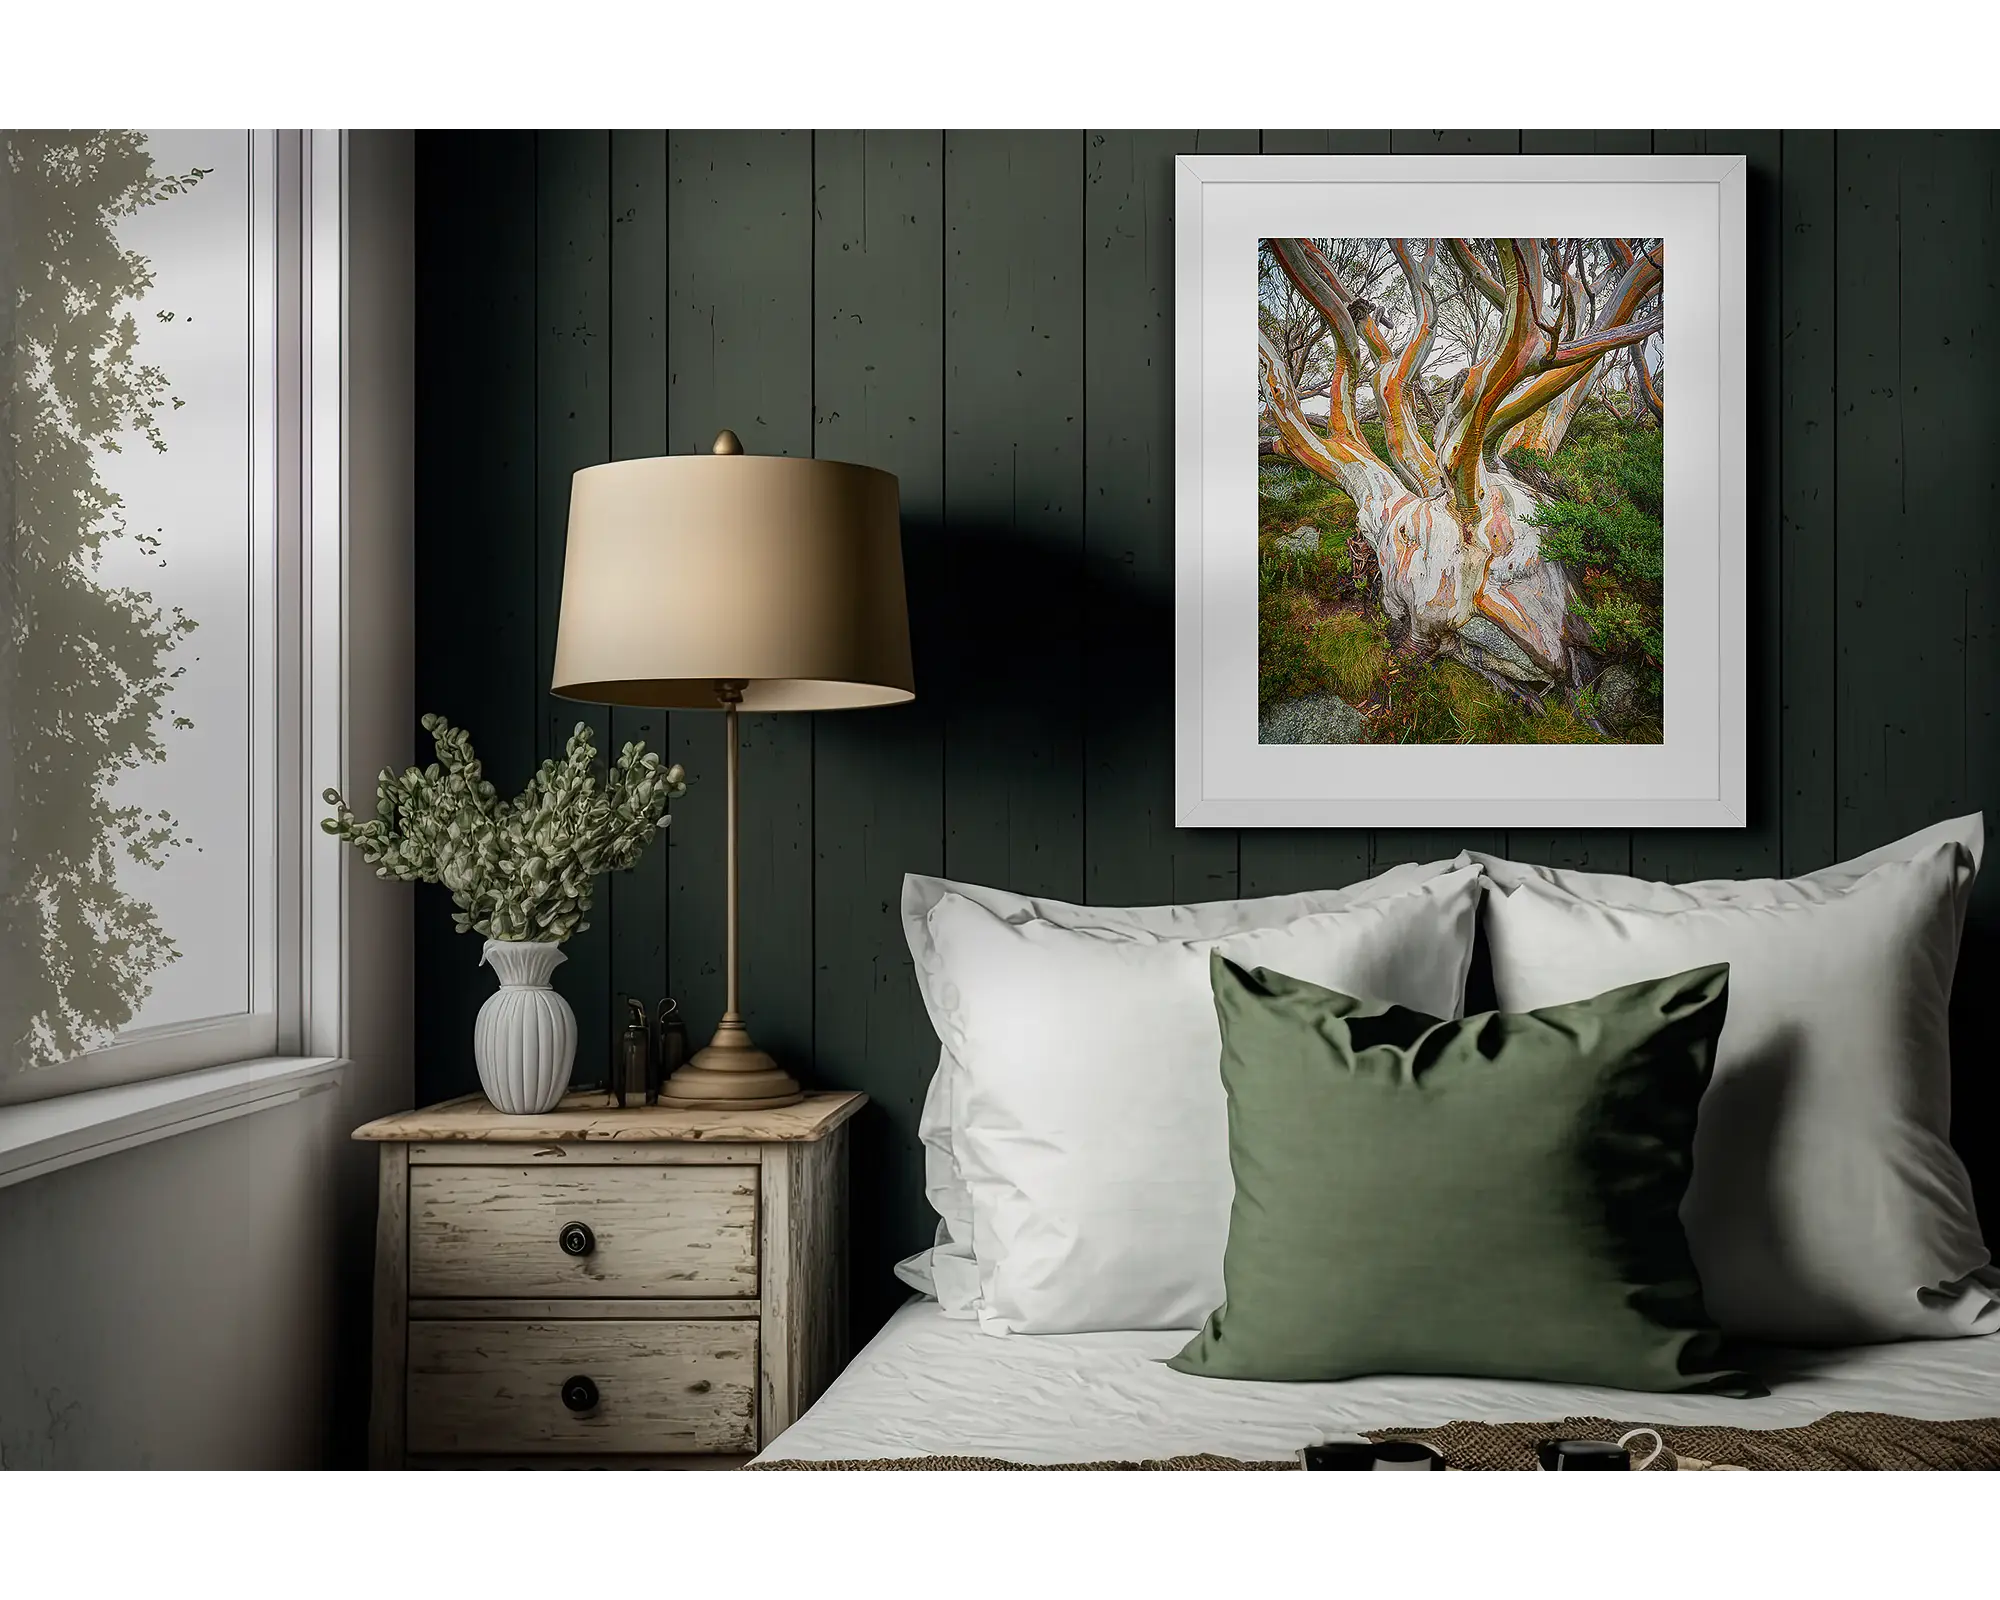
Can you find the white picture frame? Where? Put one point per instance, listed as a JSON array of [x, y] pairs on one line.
[[1696, 776]]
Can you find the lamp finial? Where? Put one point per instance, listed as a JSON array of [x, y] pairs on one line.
[[726, 444]]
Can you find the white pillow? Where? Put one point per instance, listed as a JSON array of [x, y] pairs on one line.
[[1826, 1205], [1613, 889], [947, 1270], [1092, 1128]]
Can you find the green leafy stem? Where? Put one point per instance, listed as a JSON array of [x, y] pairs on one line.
[[521, 869]]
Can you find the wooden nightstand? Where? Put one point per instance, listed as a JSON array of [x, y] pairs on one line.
[[665, 1287]]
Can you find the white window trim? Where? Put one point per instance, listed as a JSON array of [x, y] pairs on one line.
[[162, 1080], [45, 1136]]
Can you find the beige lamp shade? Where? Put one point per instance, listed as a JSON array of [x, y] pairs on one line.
[[783, 575]]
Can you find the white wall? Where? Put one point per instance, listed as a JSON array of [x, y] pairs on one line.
[[171, 1306], [382, 731], [203, 1301]]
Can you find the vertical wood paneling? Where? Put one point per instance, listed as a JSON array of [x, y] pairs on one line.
[[1917, 310], [572, 430], [1954, 210], [1906, 523], [1014, 427], [878, 776], [1134, 853], [1456, 141], [1955, 387], [638, 899], [476, 571], [1584, 849], [1324, 142], [1287, 860], [739, 350], [1807, 619], [1871, 477], [1587, 141]]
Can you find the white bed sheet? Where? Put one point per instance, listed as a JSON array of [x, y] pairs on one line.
[[928, 1384]]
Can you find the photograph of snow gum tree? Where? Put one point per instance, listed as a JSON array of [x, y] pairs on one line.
[[1459, 491]]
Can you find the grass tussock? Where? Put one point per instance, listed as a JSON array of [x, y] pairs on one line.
[[1352, 651], [1446, 703], [1304, 648]]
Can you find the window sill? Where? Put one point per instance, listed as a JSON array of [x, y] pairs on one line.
[[44, 1136]]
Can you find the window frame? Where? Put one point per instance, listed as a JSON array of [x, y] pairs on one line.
[[298, 646]]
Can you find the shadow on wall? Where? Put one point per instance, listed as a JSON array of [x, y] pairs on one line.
[[1975, 1045], [1036, 664]]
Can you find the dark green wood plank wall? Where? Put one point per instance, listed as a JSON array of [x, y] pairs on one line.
[[878, 776], [989, 316]]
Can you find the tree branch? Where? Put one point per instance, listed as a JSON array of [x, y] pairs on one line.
[[1353, 355], [1648, 384], [1603, 341], [1476, 272], [1542, 414], [1313, 276], [1518, 356], [1410, 454], [1341, 454]]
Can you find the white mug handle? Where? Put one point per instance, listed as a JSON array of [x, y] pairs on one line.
[[1659, 1447]]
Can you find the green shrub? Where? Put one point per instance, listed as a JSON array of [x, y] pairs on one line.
[[1285, 666], [1288, 495], [1603, 523]]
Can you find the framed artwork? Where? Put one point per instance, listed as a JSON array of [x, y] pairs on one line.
[[1459, 491]]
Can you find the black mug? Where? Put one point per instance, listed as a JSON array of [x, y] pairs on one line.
[[1361, 1455], [1595, 1455]]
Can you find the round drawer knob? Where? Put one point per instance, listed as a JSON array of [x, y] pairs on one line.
[[577, 1239], [579, 1394]]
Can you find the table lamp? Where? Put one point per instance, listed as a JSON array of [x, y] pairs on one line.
[[733, 582]]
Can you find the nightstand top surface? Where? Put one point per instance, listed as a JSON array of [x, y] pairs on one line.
[[594, 1118]]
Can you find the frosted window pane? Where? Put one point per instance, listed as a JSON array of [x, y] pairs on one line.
[[129, 559]]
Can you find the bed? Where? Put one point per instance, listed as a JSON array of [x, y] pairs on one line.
[[1144, 1116], [932, 1385]]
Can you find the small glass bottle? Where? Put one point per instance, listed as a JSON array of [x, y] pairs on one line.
[[632, 1070], [673, 1047]]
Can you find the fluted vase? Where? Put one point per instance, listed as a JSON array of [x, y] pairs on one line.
[[525, 1037]]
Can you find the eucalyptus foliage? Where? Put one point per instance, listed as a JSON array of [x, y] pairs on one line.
[[521, 869]]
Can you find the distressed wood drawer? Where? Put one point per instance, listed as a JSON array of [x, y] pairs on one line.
[[496, 1388], [707, 1307], [653, 1232]]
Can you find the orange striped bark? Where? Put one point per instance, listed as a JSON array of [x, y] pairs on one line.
[[1410, 452], [1542, 421]]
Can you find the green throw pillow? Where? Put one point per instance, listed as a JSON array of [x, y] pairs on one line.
[[1497, 1196]]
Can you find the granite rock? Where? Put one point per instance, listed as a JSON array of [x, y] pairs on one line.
[[1312, 719], [1621, 703]]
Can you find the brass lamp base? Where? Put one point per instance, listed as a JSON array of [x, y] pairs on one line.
[[731, 1074]]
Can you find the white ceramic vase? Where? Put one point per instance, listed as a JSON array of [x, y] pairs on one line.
[[525, 1037]]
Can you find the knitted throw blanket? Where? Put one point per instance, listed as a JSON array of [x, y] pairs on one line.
[[1842, 1441]]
